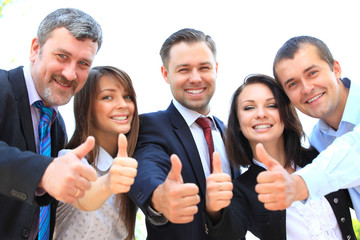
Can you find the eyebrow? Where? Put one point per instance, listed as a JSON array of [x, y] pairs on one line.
[[250, 100], [186, 65]]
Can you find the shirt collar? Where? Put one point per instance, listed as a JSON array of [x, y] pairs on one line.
[[352, 112], [104, 160], [189, 115]]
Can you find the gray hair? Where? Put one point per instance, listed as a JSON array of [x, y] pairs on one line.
[[78, 23]]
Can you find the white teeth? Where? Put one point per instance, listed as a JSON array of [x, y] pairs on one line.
[[195, 91], [263, 126], [314, 98], [121, 118]]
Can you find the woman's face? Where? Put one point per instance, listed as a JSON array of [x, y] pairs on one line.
[[113, 110], [258, 115]]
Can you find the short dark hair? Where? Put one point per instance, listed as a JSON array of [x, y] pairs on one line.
[[291, 46], [237, 145], [78, 23], [187, 35]]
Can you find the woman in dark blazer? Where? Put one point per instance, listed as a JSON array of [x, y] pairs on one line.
[[261, 113]]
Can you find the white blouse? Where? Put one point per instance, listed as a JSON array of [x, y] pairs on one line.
[[104, 223]]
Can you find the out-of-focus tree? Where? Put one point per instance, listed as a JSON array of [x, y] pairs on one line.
[[3, 3]]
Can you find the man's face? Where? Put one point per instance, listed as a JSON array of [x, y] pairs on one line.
[[311, 85], [191, 73], [61, 66]]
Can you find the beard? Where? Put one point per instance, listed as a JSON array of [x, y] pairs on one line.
[[55, 96]]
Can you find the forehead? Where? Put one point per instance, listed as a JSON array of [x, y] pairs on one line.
[[255, 91], [185, 52], [306, 56]]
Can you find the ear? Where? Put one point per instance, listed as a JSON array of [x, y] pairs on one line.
[[35, 48], [216, 68], [337, 69], [164, 73]]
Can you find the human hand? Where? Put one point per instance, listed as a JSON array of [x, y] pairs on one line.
[[66, 178], [218, 189], [123, 170], [277, 189], [176, 200]]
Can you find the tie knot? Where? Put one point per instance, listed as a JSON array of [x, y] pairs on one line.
[[46, 112], [204, 122]]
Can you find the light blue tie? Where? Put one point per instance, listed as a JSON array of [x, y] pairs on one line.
[[45, 149]]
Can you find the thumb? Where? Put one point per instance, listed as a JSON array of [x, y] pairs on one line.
[[82, 150], [264, 157], [217, 168], [122, 146], [175, 171]]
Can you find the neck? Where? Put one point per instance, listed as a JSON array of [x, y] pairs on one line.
[[275, 149]]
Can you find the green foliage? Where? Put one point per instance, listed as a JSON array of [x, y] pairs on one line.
[[3, 3], [356, 225]]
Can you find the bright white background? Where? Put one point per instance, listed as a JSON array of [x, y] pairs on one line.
[[248, 34]]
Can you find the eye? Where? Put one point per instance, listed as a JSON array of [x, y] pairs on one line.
[[106, 98], [83, 63], [62, 56], [313, 73], [273, 105], [127, 97], [204, 68], [183, 70], [248, 108]]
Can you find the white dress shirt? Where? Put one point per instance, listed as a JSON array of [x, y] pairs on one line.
[[190, 117]]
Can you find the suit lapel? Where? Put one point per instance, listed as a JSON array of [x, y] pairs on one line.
[[183, 132], [17, 82]]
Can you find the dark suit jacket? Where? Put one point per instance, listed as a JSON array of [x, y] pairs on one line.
[[161, 134], [20, 167], [247, 213]]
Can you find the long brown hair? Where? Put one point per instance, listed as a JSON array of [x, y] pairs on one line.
[[84, 111]]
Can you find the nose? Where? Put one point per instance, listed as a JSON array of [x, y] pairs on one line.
[[121, 103], [69, 72], [195, 76], [307, 86], [261, 113]]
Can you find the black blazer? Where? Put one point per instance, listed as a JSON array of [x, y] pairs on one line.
[[247, 213], [161, 134], [20, 167]]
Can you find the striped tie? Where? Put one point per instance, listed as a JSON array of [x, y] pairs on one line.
[[45, 149]]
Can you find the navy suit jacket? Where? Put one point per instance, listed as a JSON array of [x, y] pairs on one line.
[[20, 167], [162, 134]]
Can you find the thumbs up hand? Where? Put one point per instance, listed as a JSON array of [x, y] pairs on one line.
[[218, 189], [277, 189], [176, 200], [123, 170], [66, 178]]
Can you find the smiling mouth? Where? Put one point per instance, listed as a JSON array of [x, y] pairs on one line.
[[262, 126], [120, 118], [195, 91], [314, 98]]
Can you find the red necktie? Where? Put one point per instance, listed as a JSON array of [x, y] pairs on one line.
[[205, 124]]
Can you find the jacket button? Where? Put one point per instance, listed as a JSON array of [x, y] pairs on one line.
[[342, 219], [336, 200], [348, 237], [25, 233]]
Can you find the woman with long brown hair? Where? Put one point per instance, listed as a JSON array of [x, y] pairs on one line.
[[106, 109]]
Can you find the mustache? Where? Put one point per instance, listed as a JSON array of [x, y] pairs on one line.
[[63, 80]]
